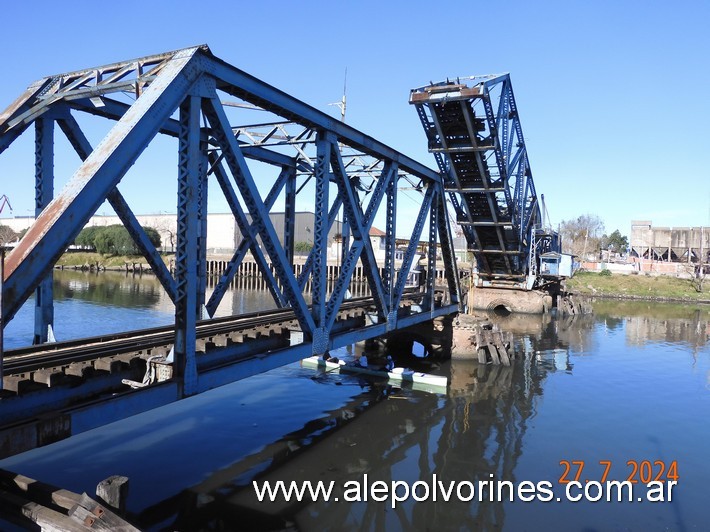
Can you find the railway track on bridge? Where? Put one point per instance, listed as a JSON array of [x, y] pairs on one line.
[[59, 354]]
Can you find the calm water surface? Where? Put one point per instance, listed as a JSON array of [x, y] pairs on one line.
[[631, 383]]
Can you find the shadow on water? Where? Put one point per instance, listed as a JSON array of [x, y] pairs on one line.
[[390, 434], [493, 420]]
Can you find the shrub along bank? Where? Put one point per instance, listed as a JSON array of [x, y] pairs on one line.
[[638, 287]]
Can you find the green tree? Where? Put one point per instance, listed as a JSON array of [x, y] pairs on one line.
[[104, 241], [114, 239], [302, 247], [87, 236], [616, 242]]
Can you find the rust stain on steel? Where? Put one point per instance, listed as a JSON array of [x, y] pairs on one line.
[[15, 106], [34, 234], [456, 92], [98, 157]]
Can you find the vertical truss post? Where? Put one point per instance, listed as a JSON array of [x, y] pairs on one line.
[[532, 256], [390, 246], [290, 215], [320, 242], [44, 192], [345, 238], [431, 253], [202, 235], [190, 156], [222, 132], [447, 252]]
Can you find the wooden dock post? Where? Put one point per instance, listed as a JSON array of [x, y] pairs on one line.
[[113, 491], [31, 504], [491, 342]]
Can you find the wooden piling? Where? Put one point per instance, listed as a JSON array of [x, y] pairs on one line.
[[113, 491]]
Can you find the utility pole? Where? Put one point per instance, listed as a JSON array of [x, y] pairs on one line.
[[345, 226], [342, 104]]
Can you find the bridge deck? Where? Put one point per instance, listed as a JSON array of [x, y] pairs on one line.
[[480, 151], [261, 146]]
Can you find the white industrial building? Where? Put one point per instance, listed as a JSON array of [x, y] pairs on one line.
[[223, 234]]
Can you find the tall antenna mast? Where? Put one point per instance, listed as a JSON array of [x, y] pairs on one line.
[[342, 104]]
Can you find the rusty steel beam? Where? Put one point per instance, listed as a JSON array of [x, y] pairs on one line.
[[65, 216], [362, 171]]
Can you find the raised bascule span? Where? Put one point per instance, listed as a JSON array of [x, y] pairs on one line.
[[473, 130]]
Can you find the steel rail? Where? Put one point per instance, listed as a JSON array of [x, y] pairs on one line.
[[33, 358]]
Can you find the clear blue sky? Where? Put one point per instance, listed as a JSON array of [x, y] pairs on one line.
[[612, 94]]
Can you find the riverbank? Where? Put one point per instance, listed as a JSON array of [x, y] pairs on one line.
[[643, 287], [96, 261]]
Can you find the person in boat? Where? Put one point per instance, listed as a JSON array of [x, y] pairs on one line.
[[328, 358], [389, 364], [360, 361]]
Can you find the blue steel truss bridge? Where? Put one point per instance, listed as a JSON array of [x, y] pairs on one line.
[[264, 150], [473, 130]]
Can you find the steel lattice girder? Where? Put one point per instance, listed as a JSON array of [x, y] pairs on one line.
[[44, 191], [497, 145], [99, 174], [190, 80]]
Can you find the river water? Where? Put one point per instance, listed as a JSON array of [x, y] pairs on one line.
[[623, 393]]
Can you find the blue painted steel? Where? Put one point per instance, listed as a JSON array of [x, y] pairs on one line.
[[448, 255], [413, 243], [188, 226], [320, 241], [248, 243], [475, 134], [241, 174], [428, 303], [65, 216], [344, 239], [15, 409], [388, 274], [360, 227], [122, 405], [115, 110], [8, 133], [239, 83], [202, 235], [192, 81], [83, 148], [44, 192], [289, 214]]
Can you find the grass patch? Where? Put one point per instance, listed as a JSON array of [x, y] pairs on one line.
[[78, 259], [637, 286]]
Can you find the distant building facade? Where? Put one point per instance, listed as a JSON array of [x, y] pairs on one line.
[[670, 244], [223, 234]]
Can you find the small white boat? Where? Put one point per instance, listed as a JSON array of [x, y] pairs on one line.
[[439, 382]]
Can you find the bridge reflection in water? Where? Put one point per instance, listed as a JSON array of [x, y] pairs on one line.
[[390, 435], [629, 383]]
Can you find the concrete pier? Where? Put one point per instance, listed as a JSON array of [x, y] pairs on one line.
[[510, 300]]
